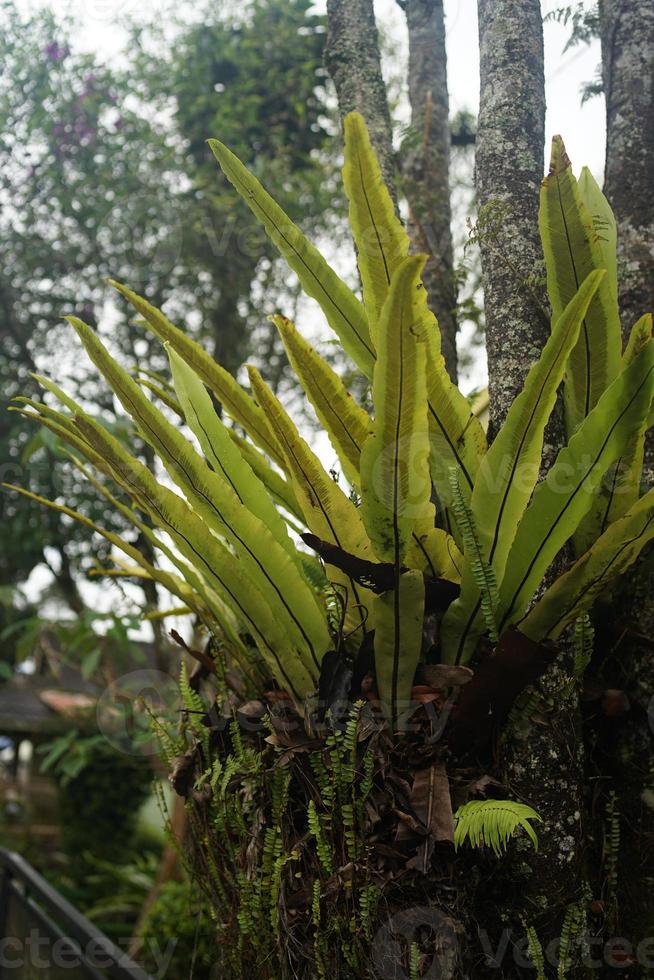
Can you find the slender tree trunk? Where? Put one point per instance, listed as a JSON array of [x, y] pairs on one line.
[[509, 168], [66, 583], [352, 59], [627, 762], [426, 164], [543, 764], [628, 72]]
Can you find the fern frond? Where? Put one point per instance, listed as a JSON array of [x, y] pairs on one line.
[[414, 962], [574, 923], [483, 573], [535, 950], [493, 823], [317, 832], [195, 707]]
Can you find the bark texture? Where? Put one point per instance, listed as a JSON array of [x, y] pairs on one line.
[[628, 74], [627, 763], [509, 168], [543, 763], [352, 59], [426, 164]]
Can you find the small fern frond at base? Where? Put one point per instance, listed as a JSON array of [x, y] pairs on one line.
[[492, 823], [535, 950], [574, 924], [483, 573]]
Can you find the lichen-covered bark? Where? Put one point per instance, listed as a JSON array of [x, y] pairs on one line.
[[352, 59], [509, 168], [426, 164], [544, 766], [627, 31], [628, 73]]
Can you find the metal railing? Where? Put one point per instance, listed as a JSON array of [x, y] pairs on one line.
[[42, 935]]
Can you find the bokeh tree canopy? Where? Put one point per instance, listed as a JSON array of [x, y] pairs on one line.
[[106, 172]]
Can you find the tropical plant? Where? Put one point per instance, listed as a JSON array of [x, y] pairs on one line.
[[434, 549], [492, 823], [426, 483]]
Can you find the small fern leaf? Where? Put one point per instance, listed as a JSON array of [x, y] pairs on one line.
[[483, 573], [492, 823]]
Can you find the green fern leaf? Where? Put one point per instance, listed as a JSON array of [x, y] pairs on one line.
[[482, 571], [493, 823]]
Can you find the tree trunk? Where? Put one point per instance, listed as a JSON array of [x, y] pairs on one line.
[[627, 28], [66, 583], [352, 59], [543, 762], [427, 162], [509, 168], [627, 761]]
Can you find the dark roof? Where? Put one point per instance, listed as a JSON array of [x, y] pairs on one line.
[[22, 711]]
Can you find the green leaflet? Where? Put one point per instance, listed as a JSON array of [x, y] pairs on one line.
[[222, 453], [577, 589], [236, 401], [456, 436], [395, 484], [61, 426], [163, 395], [397, 618], [345, 422], [187, 571], [492, 823], [276, 484], [55, 390], [100, 448], [269, 566], [574, 247], [174, 584], [508, 473], [214, 562], [565, 496], [344, 312], [379, 236], [604, 224], [328, 512], [620, 487], [436, 555], [462, 624]]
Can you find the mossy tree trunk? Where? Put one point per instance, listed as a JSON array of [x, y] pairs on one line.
[[426, 164], [627, 762], [509, 169], [352, 59], [627, 28], [543, 763]]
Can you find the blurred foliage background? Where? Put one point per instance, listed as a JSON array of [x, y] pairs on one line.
[[106, 172]]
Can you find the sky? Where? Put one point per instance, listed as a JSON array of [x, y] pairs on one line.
[[100, 27]]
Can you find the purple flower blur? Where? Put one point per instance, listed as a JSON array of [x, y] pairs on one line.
[[56, 52]]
